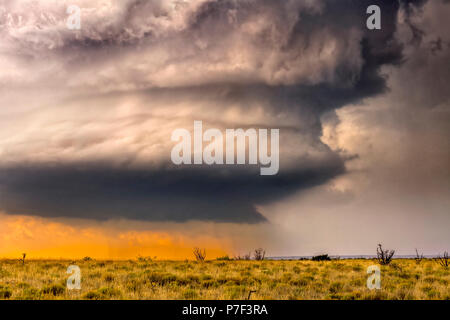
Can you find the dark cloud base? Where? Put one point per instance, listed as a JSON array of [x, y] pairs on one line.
[[167, 194]]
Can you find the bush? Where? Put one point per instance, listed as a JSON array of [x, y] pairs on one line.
[[144, 259], [224, 258], [322, 257], [444, 261], [259, 254], [246, 256], [109, 292], [209, 283], [384, 257], [55, 289], [301, 282], [336, 287], [92, 295], [103, 294], [5, 293], [199, 254], [108, 277], [161, 279]]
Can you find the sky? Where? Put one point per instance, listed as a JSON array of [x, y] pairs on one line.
[[86, 118]]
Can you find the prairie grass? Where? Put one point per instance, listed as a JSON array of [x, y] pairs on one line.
[[222, 279]]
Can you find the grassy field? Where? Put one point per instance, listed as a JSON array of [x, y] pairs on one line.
[[141, 279]]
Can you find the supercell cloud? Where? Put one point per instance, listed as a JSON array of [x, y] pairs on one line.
[[86, 115]]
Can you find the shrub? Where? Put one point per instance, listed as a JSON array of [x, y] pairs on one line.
[[199, 254], [322, 257], [103, 294], [259, 254], [224, 258], [246, 256], [220, 264], [92, 295], [108, 277], [335, 287], [209, 283], [444, 261], [192, 278], [5, 292], [384, 257], [357, 268], [419, 257], [301, 282], [144, 259], [109, 292], [352, 296], [54, 289], [161, 279], [206, 277]]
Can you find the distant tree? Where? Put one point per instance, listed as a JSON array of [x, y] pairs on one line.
[[144, 259], [246, 256], [419, 257], [384, 257], [223, 258], [444, 260], [199, 254], [259, 254], [322, 257]]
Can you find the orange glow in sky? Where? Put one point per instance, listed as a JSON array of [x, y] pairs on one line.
[[44, 238]]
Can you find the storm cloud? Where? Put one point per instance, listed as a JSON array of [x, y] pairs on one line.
[[86, 116]]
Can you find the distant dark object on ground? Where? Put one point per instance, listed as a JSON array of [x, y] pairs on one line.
[[199, 254], [419, 257], [259, 254], [444, 261], [384, 257], [224, 258], [322, 257]]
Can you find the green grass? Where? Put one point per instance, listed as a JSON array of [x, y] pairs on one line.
[[222, 279]]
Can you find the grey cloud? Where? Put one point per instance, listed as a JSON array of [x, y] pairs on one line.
[[166, 194], [295, 59], [148, 44]]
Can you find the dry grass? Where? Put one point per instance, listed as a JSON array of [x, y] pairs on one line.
[[145, 279]]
